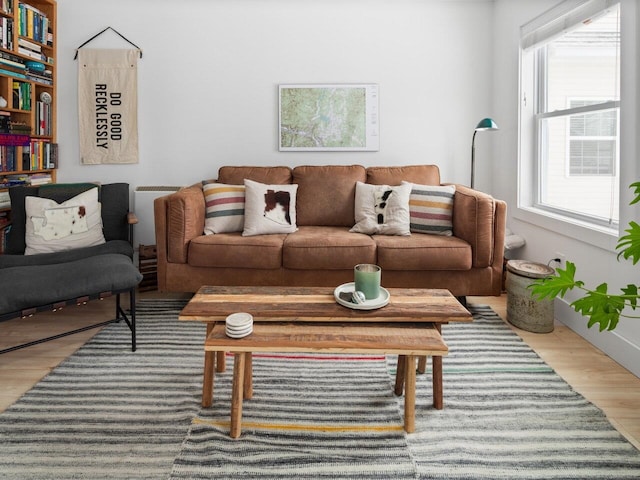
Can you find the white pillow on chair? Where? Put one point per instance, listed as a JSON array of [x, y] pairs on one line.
[[54, 227]]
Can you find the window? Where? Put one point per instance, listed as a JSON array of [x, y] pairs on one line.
[[569, 132], [592, 141]]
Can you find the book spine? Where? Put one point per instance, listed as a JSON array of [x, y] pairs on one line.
[[53, 155], [12, 63], [11, 73]]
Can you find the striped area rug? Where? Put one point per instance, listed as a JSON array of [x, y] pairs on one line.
[[109, 413], [508, 415], [311, 416]]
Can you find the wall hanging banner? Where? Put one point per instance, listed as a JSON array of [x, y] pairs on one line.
[[108, 105]]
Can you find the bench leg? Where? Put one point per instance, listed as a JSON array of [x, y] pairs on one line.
[[221, 362], [422, 364], [438, 402], [207, 380], [247, 386], [436, 361], [400, 368], [410, 394], [236, 394]]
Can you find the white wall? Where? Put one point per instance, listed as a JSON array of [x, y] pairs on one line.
[[208, 97], [210, 70], [595, 264]]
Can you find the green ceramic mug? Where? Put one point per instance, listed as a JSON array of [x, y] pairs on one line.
[[367, 280]]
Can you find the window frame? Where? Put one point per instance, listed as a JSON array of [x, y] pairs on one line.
[[532, 113]]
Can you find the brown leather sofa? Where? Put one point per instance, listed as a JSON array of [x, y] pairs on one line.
[[323, 252]]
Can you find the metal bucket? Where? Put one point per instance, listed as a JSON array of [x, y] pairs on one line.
[[523, 310]]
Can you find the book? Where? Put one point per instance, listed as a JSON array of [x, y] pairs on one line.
[[12, 63], [53, 155], [39, 78], [40, 179], [11, 73], [32, 54], [11, 56], [9, 139], [5, 202], [6, 29], [7, 6], [30, 45], [21, 95]]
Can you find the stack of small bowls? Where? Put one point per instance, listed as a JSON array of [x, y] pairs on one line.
[[238, 325]]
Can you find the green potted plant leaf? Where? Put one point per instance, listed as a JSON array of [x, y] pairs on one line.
[[598, 305]]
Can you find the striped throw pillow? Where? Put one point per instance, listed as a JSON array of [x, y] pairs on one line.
[[224, 208], [431, 209]]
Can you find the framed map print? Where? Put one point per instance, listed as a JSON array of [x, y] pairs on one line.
[[341, 117]]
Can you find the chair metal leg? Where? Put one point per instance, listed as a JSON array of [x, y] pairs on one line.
[[131, 319], [120, 315]]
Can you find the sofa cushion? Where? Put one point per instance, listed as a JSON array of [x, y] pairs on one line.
[[232, 250], [269, 209], [327, 248], [121, 247], [224, 208], [237, 175], [48, 284], [54, 227], [382, 209], [422, 252], [326, 194], [424, 174], [431, 209]]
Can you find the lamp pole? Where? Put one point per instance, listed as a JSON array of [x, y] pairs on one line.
[[473, 156], [484, 124]]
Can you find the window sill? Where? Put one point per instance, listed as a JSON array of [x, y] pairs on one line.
[[602, 237]]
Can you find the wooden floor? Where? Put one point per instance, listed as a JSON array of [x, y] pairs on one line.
[[605, 383]]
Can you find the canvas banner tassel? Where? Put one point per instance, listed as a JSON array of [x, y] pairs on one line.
[[108, 105]]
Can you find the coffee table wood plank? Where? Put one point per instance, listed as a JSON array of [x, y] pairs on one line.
[[313, 304], [400, 339]]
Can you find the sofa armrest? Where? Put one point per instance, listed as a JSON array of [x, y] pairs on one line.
[[132, 218], [476, 220], [179, 218]]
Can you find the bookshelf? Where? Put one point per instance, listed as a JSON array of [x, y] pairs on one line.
[[28, 148]]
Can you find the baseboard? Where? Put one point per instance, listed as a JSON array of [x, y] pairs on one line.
[[612, 343]]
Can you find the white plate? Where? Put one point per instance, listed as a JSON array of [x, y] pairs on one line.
[[238, 331], [379, 302], [239, 335], [239, 319], [240, 327]]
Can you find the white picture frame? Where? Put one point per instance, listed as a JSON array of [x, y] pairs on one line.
[[328, 117]]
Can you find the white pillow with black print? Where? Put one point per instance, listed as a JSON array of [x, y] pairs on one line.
[[269, 208], [382, 210]]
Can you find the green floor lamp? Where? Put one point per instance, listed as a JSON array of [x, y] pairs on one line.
[[484, 124]]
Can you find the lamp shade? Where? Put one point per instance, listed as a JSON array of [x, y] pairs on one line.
[[487, 124]]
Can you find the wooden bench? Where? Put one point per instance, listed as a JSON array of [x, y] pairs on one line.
[[407, 340]]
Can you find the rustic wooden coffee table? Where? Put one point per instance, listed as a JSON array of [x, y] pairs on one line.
[[410, 326]]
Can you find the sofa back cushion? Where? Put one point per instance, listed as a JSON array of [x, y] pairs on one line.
[[423, 174], [236, 175], [326, 194]]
